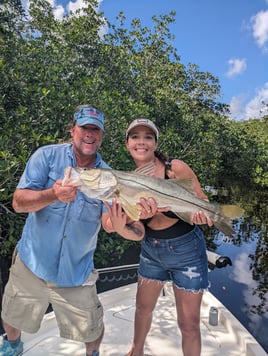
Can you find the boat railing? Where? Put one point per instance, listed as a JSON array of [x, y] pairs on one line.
[[117, 274], [117, 268]]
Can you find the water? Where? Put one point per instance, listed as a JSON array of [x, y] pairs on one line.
[[242, 287]]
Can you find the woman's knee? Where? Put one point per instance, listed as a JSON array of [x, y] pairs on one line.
[[144, 309], [189, 326]]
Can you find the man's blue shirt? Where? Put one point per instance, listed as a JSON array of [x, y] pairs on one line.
[[58, 241]]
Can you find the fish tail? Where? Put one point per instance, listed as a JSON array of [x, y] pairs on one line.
[[231, 211], [224, 225], [224, 218]]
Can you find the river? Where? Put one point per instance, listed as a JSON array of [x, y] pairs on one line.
[[242, 287]]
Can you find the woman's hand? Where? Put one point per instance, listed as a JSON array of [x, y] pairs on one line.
[[200, 218], [149, 208], [116, 220], [117, 216]]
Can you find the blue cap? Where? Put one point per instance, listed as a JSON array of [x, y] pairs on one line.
[[89, 115]]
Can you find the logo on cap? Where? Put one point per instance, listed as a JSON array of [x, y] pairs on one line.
[[89, 115]]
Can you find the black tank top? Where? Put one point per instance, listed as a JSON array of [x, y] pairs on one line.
[[179, 228]]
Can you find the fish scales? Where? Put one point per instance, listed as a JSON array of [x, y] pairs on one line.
[[129, 187]]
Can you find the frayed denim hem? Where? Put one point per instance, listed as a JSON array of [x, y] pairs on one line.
[[142, 280]]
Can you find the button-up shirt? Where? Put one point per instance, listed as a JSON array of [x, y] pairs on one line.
[[58, 241]]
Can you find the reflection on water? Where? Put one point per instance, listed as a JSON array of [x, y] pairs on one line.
[[236, 287], [243, 287]]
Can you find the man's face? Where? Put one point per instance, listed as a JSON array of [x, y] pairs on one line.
[[86, 139]]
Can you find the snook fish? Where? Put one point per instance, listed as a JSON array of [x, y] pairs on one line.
[[129, 187]]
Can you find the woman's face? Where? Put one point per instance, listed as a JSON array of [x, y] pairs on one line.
[[141, 144]]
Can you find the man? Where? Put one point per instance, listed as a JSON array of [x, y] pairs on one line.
[[53, 261]]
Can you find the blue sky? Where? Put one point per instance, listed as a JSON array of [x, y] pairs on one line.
[[228, 38]]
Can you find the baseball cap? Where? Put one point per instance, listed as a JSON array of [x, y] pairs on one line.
[[89, 115], [143, 122]]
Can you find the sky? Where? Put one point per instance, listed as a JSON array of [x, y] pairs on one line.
[[227, 38]]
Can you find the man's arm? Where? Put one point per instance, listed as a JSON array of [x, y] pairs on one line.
[[28, 200]]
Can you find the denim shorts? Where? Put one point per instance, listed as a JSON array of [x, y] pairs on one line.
[[182, 260]]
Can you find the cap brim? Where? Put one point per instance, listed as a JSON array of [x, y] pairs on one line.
[[82, 121]]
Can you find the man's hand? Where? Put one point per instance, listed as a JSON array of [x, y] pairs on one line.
[[65, 193]]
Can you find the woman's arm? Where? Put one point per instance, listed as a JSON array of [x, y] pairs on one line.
[[181, 170], [116, 220]]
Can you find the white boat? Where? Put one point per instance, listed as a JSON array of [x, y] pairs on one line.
[[228, 338]]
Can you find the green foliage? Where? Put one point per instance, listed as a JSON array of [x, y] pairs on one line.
[[47, 67], [110, 249]]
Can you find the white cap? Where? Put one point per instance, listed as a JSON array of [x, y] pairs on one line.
[[143, 122]]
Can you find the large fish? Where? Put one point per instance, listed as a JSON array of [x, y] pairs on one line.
[[129, 187]]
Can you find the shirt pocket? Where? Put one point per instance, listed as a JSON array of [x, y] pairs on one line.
[[87, 210], [53, 176]]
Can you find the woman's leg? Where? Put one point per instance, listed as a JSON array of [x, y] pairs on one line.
[[188, 306], [147, 294]]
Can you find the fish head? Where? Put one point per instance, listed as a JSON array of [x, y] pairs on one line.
[[97, 178], [97, 183], [71, 177]]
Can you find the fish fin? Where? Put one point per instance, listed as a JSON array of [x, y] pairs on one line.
[[132, 210], [186, 183], [231, 211], [224, 225], [228, 213]]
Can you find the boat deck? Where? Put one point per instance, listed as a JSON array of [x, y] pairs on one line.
[[229, 337]]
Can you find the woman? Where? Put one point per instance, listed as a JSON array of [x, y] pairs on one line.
[[171, 249]]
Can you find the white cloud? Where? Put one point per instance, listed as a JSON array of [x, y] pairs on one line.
[[51, 2], [236, 107], [253, 109], [58, 12], [25, 5], [236, 66], [73, 6], [256, 107], [239, 273], [260, 28], [79, 4]]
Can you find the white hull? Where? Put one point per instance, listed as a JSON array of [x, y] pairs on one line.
[[229, 338]]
